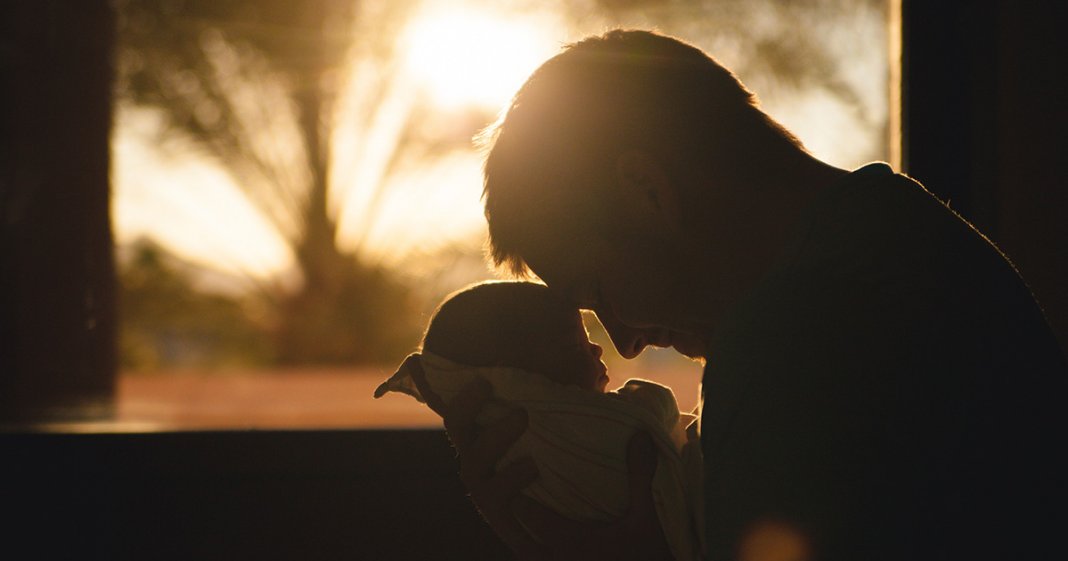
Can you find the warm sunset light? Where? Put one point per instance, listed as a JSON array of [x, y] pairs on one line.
[[188, 204], [214, 165], [463, 56], [455, 59]]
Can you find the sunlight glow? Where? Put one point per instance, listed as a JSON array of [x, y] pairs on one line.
[[428, 208], [453, 56], [188, 204], [463, 56]]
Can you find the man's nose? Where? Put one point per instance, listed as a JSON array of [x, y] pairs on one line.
[[629, 341], [597, 350]]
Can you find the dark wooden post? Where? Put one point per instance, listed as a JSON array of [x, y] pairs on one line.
[[57, 296], [984, 124]]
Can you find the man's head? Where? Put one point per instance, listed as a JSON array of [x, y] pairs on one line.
[[517, 324], [604, 160]]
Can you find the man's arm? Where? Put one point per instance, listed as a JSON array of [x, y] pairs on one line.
[[497, 493]]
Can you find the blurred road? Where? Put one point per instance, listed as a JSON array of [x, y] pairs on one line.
[[299, 399]]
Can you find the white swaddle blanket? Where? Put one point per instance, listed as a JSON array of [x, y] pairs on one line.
[[578, 439]]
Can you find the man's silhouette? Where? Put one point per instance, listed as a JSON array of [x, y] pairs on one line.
[[879, 379]]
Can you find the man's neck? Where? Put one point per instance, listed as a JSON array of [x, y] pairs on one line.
[[748, 225]]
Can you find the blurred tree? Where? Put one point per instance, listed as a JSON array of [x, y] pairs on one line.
[[276, 90], [780, 49], [166, 321], [266, 88]]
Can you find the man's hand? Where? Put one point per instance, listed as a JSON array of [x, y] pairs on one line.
[[638, 535], [496, 493], [491, 490]]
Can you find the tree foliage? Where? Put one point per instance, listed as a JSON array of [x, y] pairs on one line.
[[265, 88], [783, 50], [166, 321]]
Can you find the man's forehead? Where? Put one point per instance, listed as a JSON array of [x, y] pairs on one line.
[[561, 271]]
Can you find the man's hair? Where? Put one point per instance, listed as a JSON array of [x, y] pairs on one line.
[[624, 90], [495, 323]]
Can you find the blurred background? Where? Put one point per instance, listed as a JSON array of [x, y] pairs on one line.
[[294, 186], [238, 214]]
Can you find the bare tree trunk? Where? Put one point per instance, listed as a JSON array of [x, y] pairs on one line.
[[317, 251], [310, 329]]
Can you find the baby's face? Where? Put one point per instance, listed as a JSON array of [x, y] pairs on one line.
[[566, 355]]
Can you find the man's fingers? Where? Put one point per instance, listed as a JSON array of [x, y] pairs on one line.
[[482, 453], [479, 449], [641, 519], [515, 536], [493, 498], [518, 539], [641, 466], [513, 478], [460, 416], [641, 460], [563, 534], [521, 544]]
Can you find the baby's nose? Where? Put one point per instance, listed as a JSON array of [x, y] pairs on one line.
[[597, 350]]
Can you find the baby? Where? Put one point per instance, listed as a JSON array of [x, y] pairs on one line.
[[534, 351]]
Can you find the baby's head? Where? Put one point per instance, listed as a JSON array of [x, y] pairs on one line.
[[520, 325]]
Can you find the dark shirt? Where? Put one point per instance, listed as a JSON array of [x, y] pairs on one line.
[[892, 391]]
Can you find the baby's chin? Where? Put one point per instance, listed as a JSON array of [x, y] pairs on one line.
[[602, 383], [599, 385]]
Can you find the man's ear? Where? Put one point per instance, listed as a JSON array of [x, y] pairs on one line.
[[646, 185]]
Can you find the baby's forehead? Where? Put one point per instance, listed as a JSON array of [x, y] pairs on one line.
[[561, 328], [513, 310]]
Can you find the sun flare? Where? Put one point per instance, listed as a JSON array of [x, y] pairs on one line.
[[466, 56]]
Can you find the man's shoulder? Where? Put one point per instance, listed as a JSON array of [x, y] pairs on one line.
[[881, 270], [889, 236], [879, 217]]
